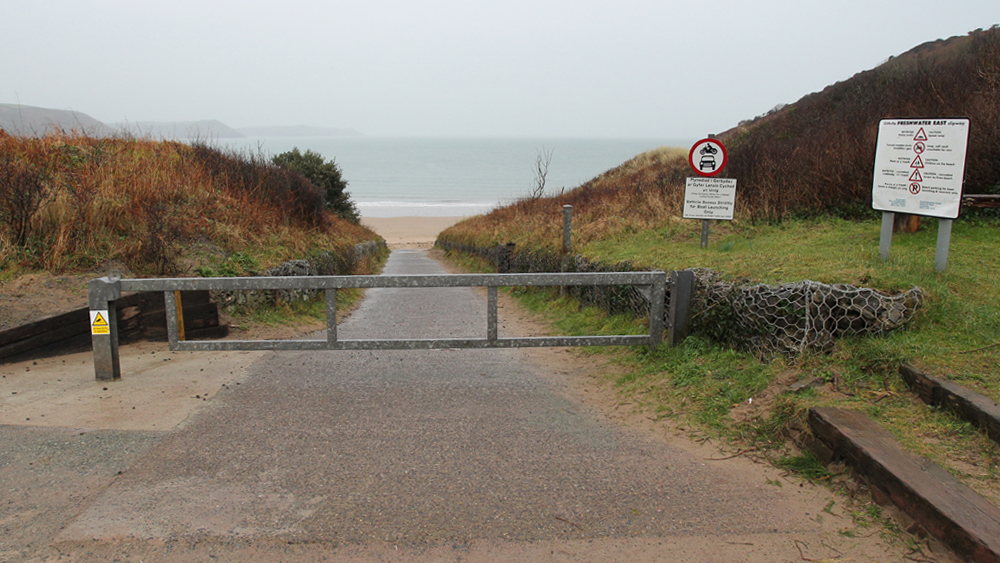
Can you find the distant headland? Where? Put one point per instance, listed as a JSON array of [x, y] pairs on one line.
[[298, 131], [31, 121]]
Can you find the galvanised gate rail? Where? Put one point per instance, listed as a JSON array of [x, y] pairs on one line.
[[104, 292]]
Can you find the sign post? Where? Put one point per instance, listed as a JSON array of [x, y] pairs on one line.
[[706, 197], [919, 170]]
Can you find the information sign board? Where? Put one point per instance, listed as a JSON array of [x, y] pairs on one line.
[[710, 198], [920, 166]]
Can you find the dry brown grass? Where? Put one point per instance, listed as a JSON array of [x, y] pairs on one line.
[[144, 202], [639, 194]]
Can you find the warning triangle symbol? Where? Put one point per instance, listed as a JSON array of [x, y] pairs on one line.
[[916, 177], [99, 320], [920, 136], [917, 162]]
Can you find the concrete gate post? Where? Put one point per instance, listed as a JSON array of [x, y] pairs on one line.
[[104, 327]]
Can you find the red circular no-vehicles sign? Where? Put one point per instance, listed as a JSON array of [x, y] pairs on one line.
[[708, 157]]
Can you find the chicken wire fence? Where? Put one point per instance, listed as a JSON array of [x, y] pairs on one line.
[[786, 319], [795, 317]]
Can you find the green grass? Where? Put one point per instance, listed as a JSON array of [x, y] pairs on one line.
[[573, 320], [962, 312], [298, 313], [805, 465], [699, 374]]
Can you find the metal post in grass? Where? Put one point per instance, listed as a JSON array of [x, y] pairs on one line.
[[102, 294], [943, 240], [705, 222], [943, 243], [885, 239], [566, 244]]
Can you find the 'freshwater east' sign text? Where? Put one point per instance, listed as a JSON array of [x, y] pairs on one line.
[[919, 166]]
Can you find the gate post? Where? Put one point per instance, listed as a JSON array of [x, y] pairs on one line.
[[657, 295], [681, 290], [102, 294]]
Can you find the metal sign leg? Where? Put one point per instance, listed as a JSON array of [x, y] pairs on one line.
[[885, 239], [943, 243]]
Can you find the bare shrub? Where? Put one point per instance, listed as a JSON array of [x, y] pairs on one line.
[[542, 161], [22, 190]]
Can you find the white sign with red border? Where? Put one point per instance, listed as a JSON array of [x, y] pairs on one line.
[[708, 157], [710, 198], [920, 166]]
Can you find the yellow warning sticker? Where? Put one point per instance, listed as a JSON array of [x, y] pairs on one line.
[[99, 322]]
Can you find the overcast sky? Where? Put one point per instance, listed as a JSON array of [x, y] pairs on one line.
[[537, 68]]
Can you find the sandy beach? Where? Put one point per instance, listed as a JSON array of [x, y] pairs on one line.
[[409, 232]]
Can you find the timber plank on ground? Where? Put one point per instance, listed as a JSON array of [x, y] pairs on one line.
[[974, 407], [59, 334], [42, 326], [945, 507], [71, 345], [140, 316]]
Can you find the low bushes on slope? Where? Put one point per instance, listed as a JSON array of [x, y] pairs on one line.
[[70, 202]]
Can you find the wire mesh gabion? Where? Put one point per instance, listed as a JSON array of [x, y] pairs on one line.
[[795, 317], [785, 319]]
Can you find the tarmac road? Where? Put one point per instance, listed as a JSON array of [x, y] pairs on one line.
[[440, 455]]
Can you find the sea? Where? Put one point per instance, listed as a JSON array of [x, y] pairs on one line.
[[455, 177]]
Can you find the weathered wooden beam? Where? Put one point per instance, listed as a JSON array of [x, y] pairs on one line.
[[54, 336], [974, 407], [944, 506], [137, 315], [42, 326]]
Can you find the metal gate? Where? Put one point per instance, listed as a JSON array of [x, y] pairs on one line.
[[105, 291]]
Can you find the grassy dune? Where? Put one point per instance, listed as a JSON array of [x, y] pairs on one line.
[[69, 203]]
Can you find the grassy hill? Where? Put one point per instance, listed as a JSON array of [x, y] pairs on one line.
[[71, 203], [803, 212], [18, 119], [815, 156]]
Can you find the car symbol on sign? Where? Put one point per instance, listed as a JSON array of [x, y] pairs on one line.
[[707, 160]]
